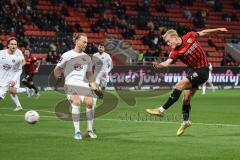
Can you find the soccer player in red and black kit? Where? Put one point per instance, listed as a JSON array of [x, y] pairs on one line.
[[188, 50], [31, 67]]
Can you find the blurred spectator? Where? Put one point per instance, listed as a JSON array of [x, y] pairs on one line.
[[150, 25], [52, 47], [234, 17], [161, 7], [218, 5], [55, 57], [236, 4], [187, 13], [226, 17], [234, 39]]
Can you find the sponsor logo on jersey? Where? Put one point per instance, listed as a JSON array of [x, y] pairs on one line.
[[189, 40], [6, 67], [77, 67]]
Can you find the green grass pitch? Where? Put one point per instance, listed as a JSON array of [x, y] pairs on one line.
[[126, 132]]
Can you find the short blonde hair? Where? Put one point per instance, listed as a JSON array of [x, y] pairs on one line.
[[170, 32], [76, 36]]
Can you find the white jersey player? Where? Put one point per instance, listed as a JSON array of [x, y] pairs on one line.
[[103, 65], [77, 67], [209, 80], [11, 61]]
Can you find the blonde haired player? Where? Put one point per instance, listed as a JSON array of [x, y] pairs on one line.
[[77, 67], [209, 81], [189, 51]]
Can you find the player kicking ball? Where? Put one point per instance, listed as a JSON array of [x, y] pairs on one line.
[[188, 50], [77, 68]]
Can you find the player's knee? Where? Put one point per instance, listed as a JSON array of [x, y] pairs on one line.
[[186, 99], [89, 101], [12, 90], [75, 100], [183, 84]]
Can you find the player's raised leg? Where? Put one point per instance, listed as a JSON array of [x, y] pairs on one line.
[[182, 85], [186, 110]]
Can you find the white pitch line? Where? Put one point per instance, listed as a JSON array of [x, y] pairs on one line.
[[29, 109], [206, 124], [15, 115], [135, 121]]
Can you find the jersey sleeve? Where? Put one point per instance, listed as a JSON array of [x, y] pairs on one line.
[[109, 64], [193, 35], [62, 61], [173, 55]]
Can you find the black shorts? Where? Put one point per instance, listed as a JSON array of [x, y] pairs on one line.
[[198, 76], [29, 77]]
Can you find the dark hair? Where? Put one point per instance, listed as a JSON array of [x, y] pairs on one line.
[[101, 44], [10, 39]]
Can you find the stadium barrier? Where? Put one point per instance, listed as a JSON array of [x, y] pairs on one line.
[[147, 76]]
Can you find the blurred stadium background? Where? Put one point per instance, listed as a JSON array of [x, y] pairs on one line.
[[131, 30]]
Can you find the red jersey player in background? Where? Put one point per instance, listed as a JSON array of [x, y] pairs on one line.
[[188, 50], [31, 68]]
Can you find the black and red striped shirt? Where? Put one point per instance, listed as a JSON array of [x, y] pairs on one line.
[[30, 66], [190, 52]]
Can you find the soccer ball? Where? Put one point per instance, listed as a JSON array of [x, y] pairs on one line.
[[31, 117]]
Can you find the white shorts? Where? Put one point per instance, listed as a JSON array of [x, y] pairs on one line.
[[17, 85], [3, 91], [83, 89]]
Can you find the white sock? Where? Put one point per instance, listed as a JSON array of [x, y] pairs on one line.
[[76, 118], [186, 122], [211, 84], [162, 109], [94, 102], [20, 90], [90, 117], [15, 100], [204, 89]]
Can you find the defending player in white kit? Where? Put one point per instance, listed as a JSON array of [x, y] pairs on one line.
[[11, 61], [102, 63], [77, 67], [209, 80]]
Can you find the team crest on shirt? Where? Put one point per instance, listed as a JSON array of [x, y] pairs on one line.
[[6, 67], [189, 40], [13, 60], [77, 67]]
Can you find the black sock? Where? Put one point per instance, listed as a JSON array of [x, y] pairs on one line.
[[26, 84], [186, 108], [35, 89], [173, 98]]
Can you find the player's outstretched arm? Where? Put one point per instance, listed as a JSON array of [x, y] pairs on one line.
[[162, 64], [208, 31]]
